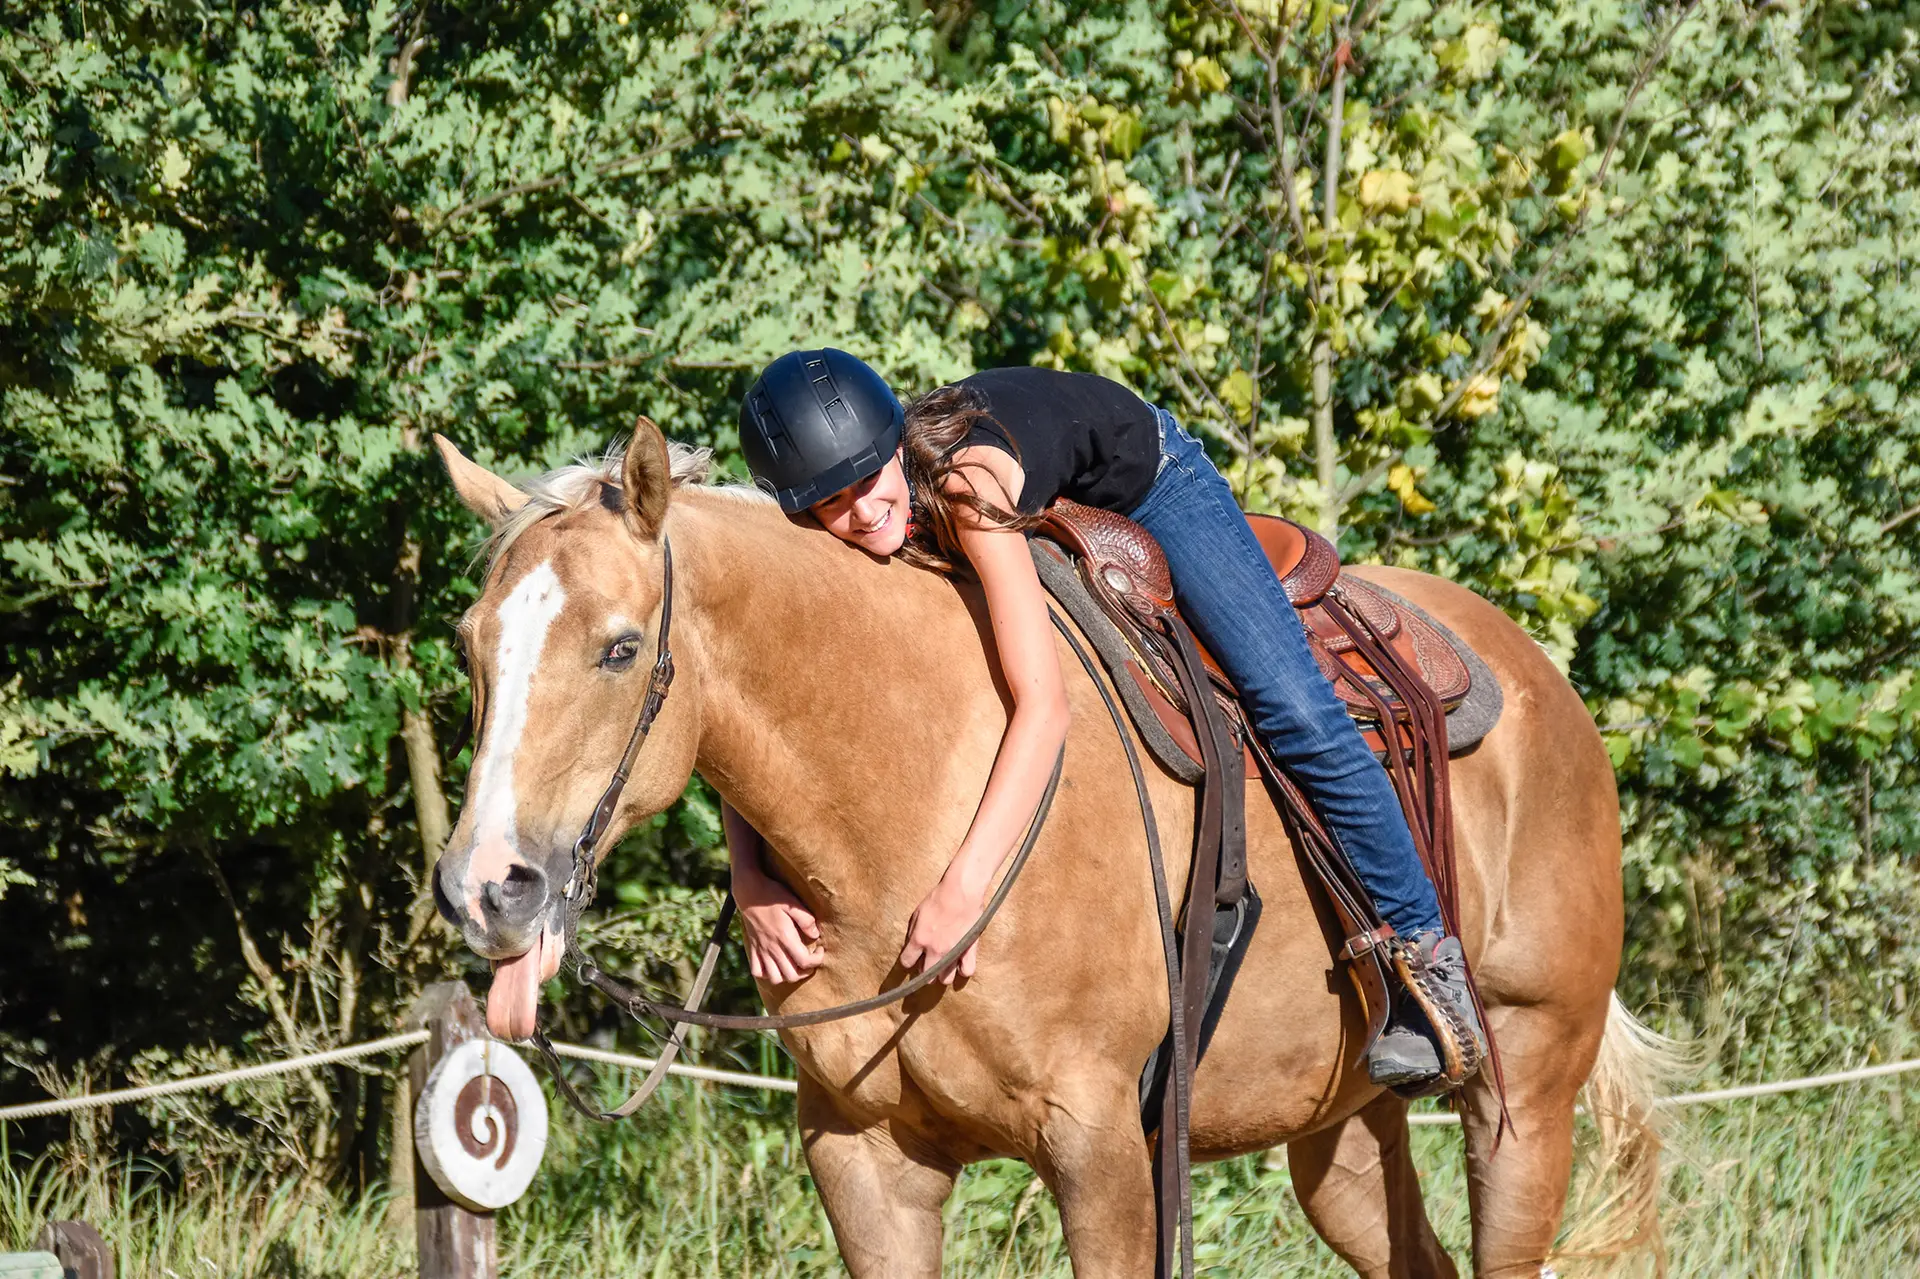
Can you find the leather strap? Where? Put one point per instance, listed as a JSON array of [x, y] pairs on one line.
[[1365, 943], [1171, 1158], [1423, 785], [637, 1005], [577, 895], [1196, 929], [581, 883], [1221, 817], [690, 1013], [716, 941]]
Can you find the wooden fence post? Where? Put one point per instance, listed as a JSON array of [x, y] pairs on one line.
[[455, 1243]]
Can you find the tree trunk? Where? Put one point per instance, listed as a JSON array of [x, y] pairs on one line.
[[429, 800], [1326, 455], [1325, 449]]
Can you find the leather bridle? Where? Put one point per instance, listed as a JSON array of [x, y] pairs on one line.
[[583, 878]]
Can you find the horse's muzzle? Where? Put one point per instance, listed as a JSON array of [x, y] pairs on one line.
[[500, 915]]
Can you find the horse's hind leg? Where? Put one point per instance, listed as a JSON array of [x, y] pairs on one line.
[[1357, 1184], [1518, 1186], [884, 1202]]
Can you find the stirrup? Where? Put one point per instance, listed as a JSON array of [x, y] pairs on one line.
[[1461, 1051]]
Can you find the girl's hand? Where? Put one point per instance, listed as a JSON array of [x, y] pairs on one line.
[[937, 926], [783, 938]]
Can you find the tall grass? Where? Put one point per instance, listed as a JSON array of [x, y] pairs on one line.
[[233, 1224], [713, 1184]]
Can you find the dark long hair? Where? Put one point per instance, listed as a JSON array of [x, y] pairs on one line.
[[937, 424]]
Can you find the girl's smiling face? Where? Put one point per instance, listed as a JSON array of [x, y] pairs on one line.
[[872, 514]]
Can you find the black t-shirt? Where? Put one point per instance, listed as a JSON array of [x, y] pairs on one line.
[[1075, 435]]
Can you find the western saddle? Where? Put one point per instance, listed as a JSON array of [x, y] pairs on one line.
[[1125, 570], [1397, 676]]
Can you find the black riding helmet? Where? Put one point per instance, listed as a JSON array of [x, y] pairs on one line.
[[815, 422]]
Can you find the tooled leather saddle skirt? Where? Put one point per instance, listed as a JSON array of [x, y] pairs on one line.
[[1125, 571]]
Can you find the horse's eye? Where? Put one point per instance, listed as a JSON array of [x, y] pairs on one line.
[[620, 653]]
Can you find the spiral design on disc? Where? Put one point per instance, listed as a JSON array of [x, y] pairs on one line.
[[486, 1119], [481, 1125]]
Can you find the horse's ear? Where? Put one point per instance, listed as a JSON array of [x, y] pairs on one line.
[[646, 479], [480, 490]]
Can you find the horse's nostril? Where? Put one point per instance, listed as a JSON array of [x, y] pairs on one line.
[[521, 880], [518, 889]]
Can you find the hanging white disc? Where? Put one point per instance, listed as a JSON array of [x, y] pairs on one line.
[[481, 1125]]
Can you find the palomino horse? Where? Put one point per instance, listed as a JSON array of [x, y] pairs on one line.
[[850, 709]]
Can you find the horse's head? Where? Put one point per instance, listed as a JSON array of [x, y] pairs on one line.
[[560, 647]]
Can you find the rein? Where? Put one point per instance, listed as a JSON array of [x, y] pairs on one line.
[[1171, 1158]]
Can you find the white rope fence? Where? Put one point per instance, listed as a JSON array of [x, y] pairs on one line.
[[1803, 1084], [733, 1077], [739, 1079], [85, 1101], [220, 1079]]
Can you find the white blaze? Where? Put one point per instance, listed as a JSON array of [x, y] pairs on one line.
[[525, 617]]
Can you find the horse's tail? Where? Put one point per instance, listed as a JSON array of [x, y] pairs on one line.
[[1621, 1206]]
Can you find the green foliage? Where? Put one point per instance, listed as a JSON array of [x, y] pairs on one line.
[[1732, 395], [1607, 312], [251, 259]]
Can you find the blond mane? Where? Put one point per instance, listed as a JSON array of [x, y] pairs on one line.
[[577, 486]]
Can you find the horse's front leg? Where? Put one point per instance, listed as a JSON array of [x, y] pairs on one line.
[[884, 1201], [1094, 1157]]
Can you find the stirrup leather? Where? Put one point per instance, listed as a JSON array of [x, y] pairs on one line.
[[1461, 1051]]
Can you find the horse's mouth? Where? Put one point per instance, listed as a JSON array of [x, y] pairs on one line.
[[513, 1002]]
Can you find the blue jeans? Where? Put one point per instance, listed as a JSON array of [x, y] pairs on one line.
[[1231, 598]]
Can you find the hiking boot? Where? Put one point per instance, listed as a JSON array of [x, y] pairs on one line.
[[1411, 1056]]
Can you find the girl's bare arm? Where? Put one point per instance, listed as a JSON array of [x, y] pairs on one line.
[[1023, 638]]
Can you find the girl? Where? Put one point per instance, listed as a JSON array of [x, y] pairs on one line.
[[958, 476]]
